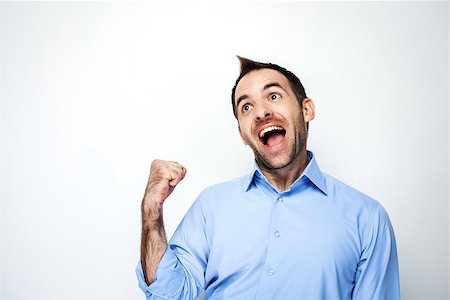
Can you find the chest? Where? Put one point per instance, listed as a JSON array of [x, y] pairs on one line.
[[298, 241]]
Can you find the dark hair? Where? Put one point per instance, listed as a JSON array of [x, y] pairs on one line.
[[248, 65]]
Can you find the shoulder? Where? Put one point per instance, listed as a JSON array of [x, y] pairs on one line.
[[229, 187], [348, 195], [367, 211], [223, 193], [217, 199], [361, 206]]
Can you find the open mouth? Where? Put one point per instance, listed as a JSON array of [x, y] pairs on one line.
[[272, 136]]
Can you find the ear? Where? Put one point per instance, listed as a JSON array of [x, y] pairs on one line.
[[242, 136], [308, 110]]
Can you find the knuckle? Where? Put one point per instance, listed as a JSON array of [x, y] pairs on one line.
[[155, 163], [164, 169]]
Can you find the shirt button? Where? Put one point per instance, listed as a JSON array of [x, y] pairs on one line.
[[276, 234], [270, 272], [280, 199]]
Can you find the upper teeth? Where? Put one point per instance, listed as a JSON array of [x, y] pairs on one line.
[[266, 130]]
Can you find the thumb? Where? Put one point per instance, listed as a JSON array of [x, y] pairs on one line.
[[173, 182]]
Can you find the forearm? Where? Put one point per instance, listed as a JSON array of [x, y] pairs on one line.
[[164, 176], [153, 239], [181, 264]]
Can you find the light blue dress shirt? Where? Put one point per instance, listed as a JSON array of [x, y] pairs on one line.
[[243, 239]]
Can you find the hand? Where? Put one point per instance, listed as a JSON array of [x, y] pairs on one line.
[[164, 177]]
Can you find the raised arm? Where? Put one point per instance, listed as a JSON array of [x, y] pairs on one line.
[[164, 177]]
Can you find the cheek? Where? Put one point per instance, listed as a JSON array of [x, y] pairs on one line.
[[246, 135], [244, 125], [243, 132], [289, 113], [244, 138], [296, 123]]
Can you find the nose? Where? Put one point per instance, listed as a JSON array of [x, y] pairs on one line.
[[262, 111]]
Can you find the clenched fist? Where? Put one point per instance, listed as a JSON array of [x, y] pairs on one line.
[[164, 177]]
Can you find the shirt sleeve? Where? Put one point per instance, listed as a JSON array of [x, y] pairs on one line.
[[377, 271], [180, 274]]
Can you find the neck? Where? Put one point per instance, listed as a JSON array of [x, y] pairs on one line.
[[283, 178]]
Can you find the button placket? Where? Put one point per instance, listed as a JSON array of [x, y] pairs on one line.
[[280, 200], [274, 256]]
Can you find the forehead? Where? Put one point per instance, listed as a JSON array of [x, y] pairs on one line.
[[256, 80]]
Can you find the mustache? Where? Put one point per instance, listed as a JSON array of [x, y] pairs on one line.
[[268, 120]]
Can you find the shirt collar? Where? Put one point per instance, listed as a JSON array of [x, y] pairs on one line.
[[312, 172]]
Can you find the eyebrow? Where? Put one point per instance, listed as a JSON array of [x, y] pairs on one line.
[[267, 86], [272, 84]]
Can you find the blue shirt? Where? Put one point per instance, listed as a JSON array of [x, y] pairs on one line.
[[243, 239]]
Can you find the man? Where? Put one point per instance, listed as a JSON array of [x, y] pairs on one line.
[[285, 231]]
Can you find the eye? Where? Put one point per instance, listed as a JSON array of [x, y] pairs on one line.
[[274, 96], [246, 107]]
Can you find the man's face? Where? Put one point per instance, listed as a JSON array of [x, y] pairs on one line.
[[270, 118]]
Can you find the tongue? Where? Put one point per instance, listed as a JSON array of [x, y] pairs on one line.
[[274, 139]]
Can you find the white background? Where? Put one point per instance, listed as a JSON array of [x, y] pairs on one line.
[[92, 93]]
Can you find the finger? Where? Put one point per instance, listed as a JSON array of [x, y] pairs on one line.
[[176, 175], [174, 181], [183, 172], [171, 171], [179, 169]]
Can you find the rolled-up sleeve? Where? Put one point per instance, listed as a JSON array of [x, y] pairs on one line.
[[377, 274], [180, 273]]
